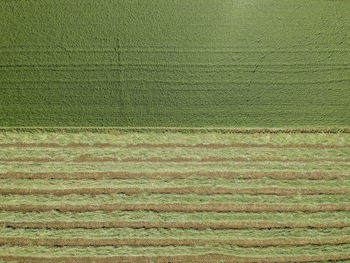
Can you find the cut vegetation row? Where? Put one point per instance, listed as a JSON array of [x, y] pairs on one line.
[[239, 200]]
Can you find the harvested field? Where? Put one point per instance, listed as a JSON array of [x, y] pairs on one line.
[[265, 197]]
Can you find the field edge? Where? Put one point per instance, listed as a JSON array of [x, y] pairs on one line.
[[174, 129]]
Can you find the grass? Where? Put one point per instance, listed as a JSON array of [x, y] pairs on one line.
[[191, 64]]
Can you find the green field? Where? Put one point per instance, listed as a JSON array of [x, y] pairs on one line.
[[181, 63], [214, 197]]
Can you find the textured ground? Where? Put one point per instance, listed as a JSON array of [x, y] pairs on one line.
[[227, 63], [174, 197]]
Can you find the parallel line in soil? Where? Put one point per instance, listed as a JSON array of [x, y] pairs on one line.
[[126, 175], [168, 225], [176, 160], [170, 242], [178, 207], [141, 49], [203, 258], [173, 145], [175, 190], [169, 81]]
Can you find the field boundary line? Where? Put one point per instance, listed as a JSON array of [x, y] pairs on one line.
[[175, 160], [179, 129], [203, 258]]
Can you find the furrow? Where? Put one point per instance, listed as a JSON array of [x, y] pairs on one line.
[[177, 207], [150, 49], [175, 190], [167, 225], [126, 175], [173, 82]]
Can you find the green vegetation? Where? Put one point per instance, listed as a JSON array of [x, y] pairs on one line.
[[175, 63]]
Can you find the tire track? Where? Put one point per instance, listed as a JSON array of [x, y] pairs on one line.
[[182, 225], [170, 82], [175, 190], [177, 207], [172, 49]]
